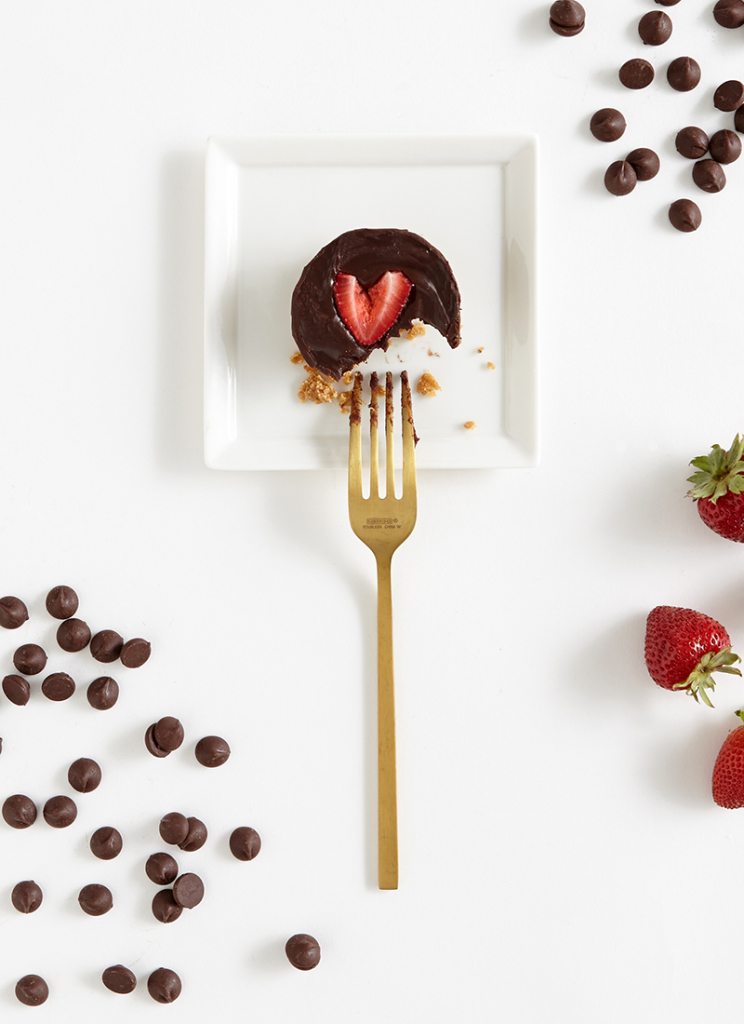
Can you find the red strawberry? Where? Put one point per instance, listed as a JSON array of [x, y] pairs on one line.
[[728, 771], [370, 314], [718, 489], [684, 648]]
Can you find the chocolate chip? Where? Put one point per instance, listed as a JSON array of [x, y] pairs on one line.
[[636, 73], [729, 95], [30, 659], [620, 178], [655, 28], [161, 868], [31, 990], [692, 142], [135, 652], [164, 907], [684, 215], [73, 635], [106, 843], [95, 899], [84, 775], [13, 612], [212, 751], [245, 843], [58, 686], [196, 836], [103, 693], [725, 146], [709, 176], [567, 17], [62, 602], [164, 985], [607, 125], [26, 897], [19, 811], [303, 952], [60, 811], [106, 645], [739, 120], [174, 828], [151, 745], [119, 979], [645, 163], [729, 13], [683, 74], [16, 689], [188, 890], [669, 3], [168, 734]]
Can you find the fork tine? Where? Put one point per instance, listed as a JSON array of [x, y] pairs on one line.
[[355, 439], [409, 437], [374, 471], [389, 452]]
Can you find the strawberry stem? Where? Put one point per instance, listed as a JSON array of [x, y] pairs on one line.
[[719, 472], [701, 680]]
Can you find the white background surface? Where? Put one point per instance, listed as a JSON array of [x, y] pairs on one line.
[[561, 857]]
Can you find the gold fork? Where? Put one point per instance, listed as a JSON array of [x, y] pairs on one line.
[[383, 524]]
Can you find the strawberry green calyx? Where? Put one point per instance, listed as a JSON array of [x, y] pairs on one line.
[[700, 680], [718, 473], [740, 714]]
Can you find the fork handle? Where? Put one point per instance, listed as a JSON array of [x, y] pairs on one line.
[[387, 804]]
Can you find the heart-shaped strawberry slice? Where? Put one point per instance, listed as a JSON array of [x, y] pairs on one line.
[[370, 313]]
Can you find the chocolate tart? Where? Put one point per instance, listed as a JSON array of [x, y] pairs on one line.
[[323, 337]]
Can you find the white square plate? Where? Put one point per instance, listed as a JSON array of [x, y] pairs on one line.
[[271, 204]]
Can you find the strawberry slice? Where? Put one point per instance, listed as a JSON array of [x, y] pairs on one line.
[[369, 314]]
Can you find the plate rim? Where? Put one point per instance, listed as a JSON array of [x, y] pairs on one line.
[[399, 149]]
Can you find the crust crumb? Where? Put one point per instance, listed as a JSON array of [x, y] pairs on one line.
[[295, 358], [469, 424], [480, 349], [433, 354], [348, 377], [344, 401], [427, 385], [490, 365], [317, 388], [416, 329], [321, 389]]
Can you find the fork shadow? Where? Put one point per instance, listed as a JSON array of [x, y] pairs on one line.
[[324, 521]]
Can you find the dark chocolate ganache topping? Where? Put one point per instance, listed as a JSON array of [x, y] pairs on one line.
[[324, 340]]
